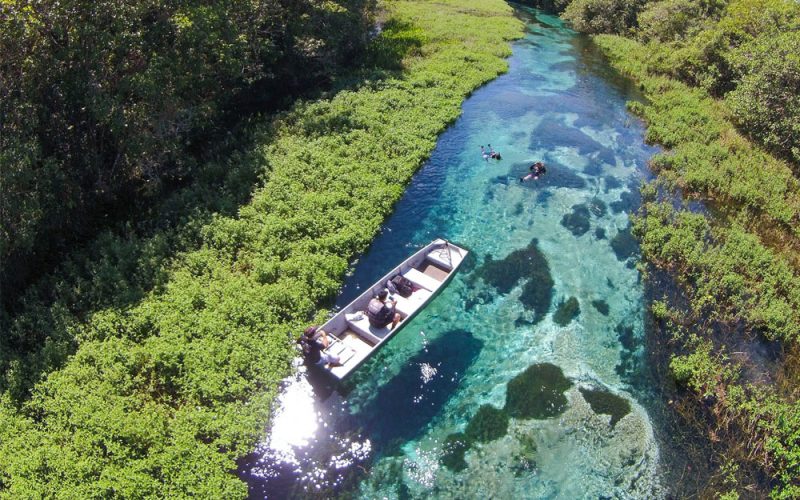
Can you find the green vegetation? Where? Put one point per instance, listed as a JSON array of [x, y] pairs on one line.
[[722, 82], [538, 392], [527, 264], [487, 425], [607, 403], [106, 102], [146, 363], [567, 311], [455, 446]]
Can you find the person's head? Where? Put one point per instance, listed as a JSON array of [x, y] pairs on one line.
[[310, 331], [383, 294]]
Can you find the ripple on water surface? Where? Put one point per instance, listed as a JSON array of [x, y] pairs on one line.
[[547, 315]]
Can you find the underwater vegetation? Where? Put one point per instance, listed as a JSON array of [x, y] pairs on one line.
[[538, 392], [455, 445], [599, 233], [624, 244], [529, 264], [597, 207], [567, 311], [606, 403], [601, 306], [577, 221], [406, 406], [488, 424], [555, 133], [628, 200], [628, 359]]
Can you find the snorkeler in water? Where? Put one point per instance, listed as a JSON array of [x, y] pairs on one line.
[[537, 169]]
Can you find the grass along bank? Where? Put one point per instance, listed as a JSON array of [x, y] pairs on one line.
[[155, 370], [736, 265]]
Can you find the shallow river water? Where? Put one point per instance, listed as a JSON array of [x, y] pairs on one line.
[[392, 430]]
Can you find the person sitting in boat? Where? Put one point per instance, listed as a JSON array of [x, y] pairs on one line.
[[314, 341], [484, 153], [537, 169], [381, 311]]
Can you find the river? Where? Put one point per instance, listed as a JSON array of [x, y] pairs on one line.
[[392, 431]]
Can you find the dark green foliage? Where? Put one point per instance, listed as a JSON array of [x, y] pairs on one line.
[[526, 264], [607, 403], [766, 103], [601, 306], [567, 311], [577, 221], [104, 102], [487, 424], [602, 16], [454, 448], [624, 244], [538, 392]]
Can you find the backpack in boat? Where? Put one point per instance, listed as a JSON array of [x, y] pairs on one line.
[[403, 285]]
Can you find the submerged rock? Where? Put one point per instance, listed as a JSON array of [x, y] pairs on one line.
[[607, 403], [528, 264], [538, 392], [577, 221], [567, 311], [599, 233], [487, 425]]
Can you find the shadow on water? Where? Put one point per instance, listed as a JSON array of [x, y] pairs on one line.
[[320, 449], [402, 408]]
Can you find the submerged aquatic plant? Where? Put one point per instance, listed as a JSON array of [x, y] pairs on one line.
[[607, 403], [624, 244], [488, 424], [577, 222], [455, 446], [601, 306], [538, 392], [567, 311], [527, 263]]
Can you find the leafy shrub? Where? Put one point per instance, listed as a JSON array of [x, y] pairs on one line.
[[766, 102], [602, 16]]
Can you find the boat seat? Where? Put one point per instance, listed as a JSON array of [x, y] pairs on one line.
[[409, 305], [363, 327], [422, 279], [341, 351], [441, 258]]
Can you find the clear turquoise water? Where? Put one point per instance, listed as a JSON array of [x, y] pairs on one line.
[[381, 435]]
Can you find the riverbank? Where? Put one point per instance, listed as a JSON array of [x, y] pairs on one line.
[[732, 331], [167, 371]]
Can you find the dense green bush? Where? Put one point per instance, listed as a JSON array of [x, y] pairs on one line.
[[146, 365], [766, 102], [104, 101], [603, 16]]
